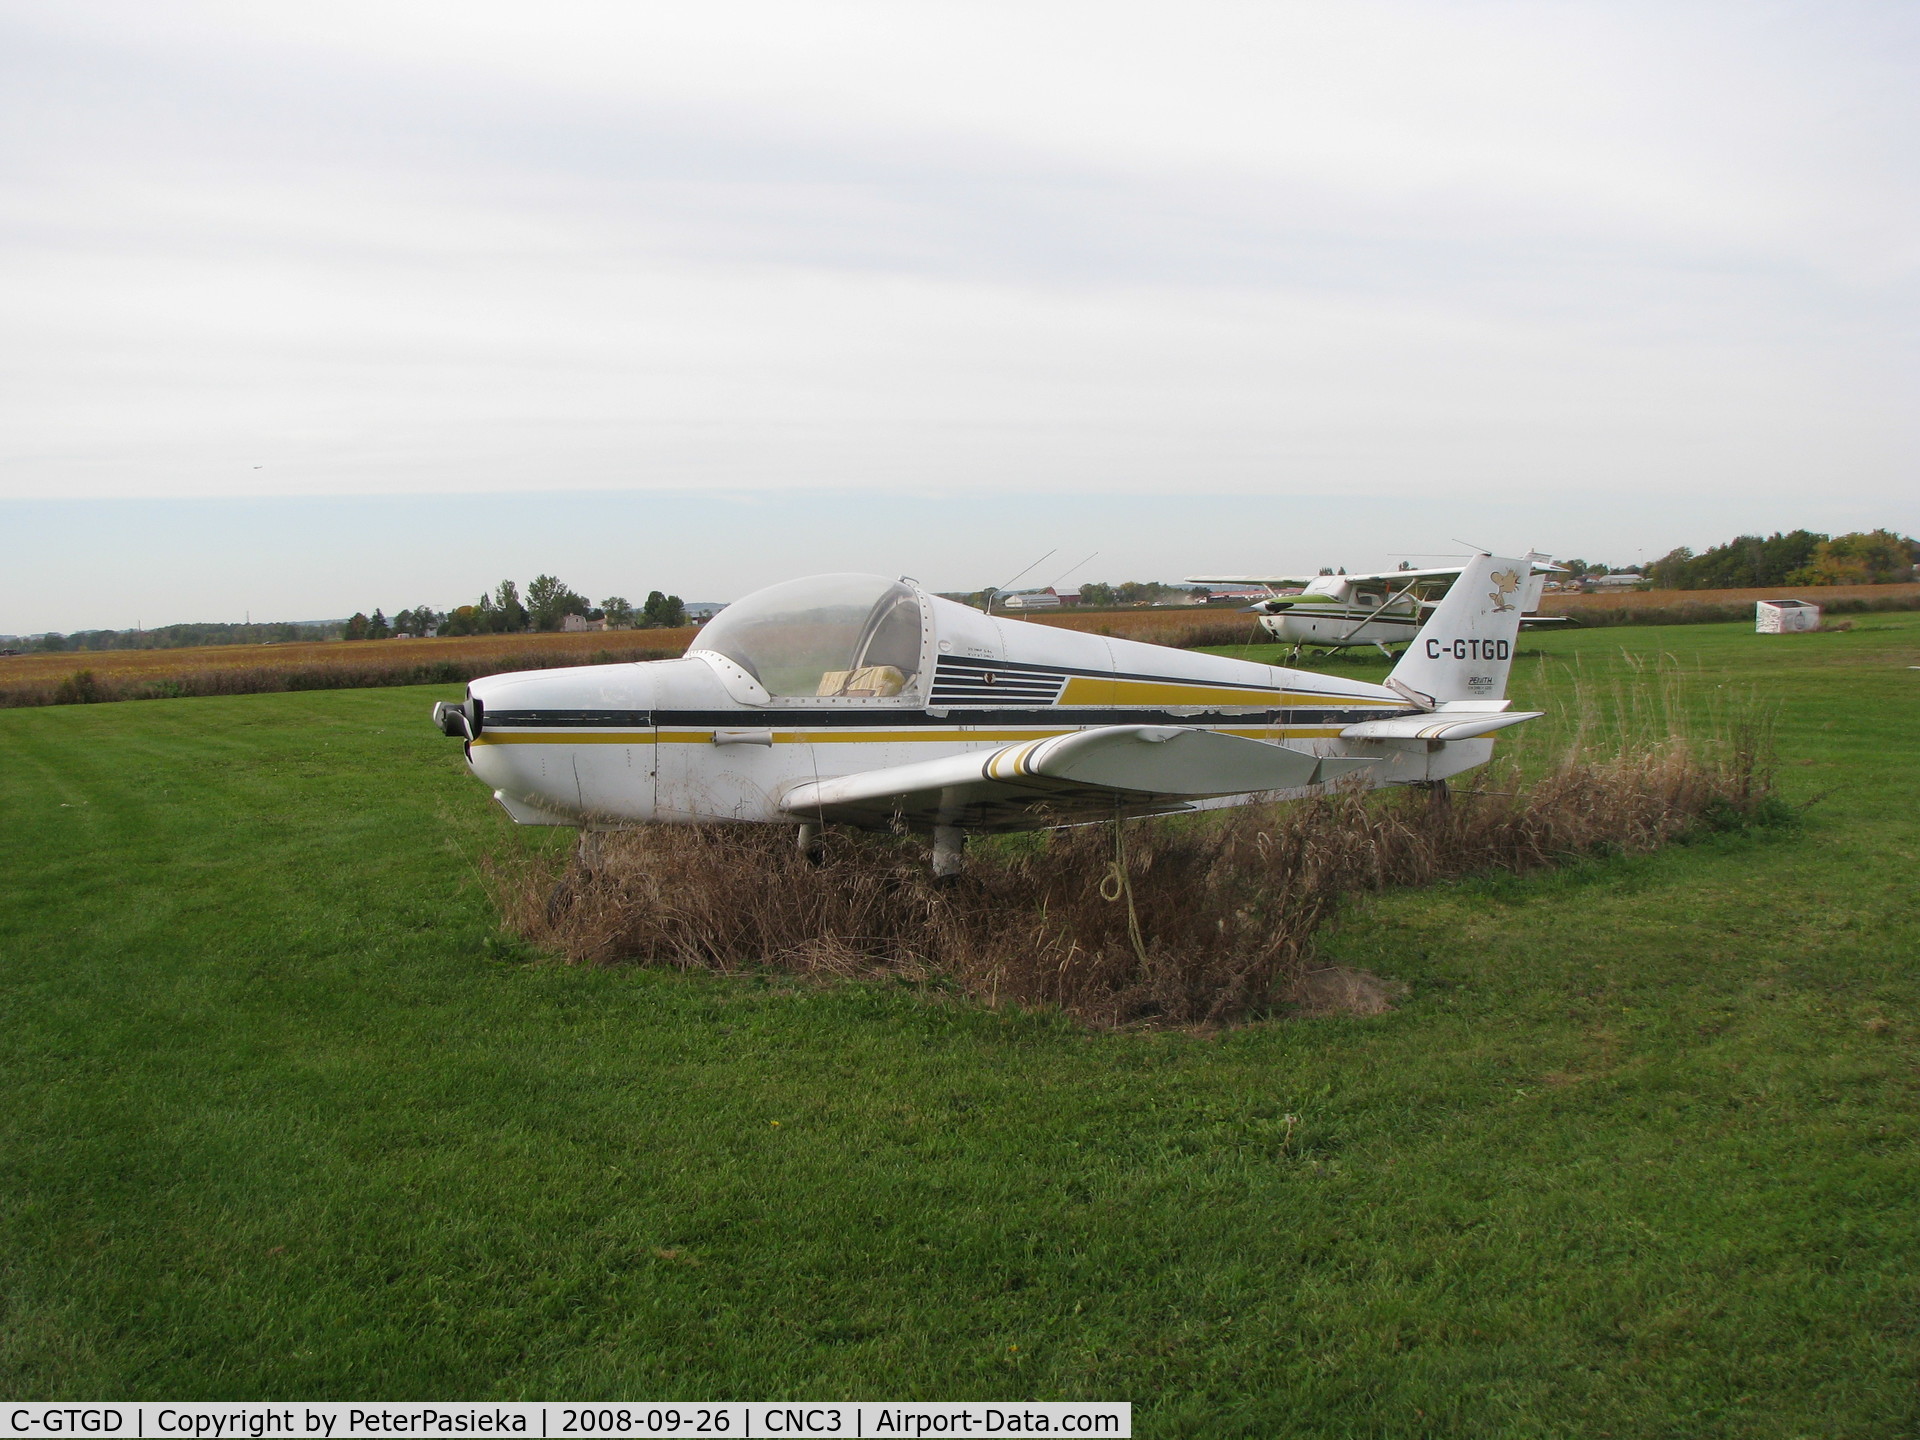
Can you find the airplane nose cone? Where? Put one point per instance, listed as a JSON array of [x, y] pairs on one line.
[[553, 744]]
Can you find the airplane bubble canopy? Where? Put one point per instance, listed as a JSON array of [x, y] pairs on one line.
[[855, 636]]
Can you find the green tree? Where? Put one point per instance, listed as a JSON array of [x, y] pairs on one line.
[[662, 612], [1143, 592], [502, 610], [1744, 562], [1670, 570], [549, 602], [1097, 594], [619, 611], [377, 627], [356, 627]]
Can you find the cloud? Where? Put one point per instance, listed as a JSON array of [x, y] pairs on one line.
[[485, 248]]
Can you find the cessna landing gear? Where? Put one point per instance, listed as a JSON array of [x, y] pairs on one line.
[[813, 849]]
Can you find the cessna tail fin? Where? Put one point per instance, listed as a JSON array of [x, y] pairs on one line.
[[1466, 647]]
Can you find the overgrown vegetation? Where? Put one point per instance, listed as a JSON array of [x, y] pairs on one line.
[[1188, 920]]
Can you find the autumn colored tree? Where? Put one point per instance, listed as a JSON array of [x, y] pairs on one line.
[[1864, 557]]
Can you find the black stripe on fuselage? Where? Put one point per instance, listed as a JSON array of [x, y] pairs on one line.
[[577, 719], [978, 663], [796, 719]]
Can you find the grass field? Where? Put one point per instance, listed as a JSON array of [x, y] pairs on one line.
[[285, 1117]]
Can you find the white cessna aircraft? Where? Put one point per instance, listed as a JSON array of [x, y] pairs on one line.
[[860, 700], [1382, 609]]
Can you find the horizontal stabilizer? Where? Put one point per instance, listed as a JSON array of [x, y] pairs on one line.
[[1437, 726], [1123, 769]]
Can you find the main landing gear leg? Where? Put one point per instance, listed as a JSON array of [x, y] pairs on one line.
[[812, 848], [588, 851], [949, 853]]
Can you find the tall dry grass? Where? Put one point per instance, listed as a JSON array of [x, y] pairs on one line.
[[1191, 921]]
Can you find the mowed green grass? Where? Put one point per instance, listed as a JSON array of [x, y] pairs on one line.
[[284, 1117]]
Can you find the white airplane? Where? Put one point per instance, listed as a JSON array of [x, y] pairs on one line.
[[859, 700], [1381, 609]]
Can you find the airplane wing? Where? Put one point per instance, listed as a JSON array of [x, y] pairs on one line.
[[1309, 579], [1087, 774], [1248, 579], [1437, 725], [1539, 568]]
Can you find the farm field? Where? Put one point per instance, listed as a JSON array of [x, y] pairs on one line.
[[36, 678], [286, 1116], [1666, 599], [145, 664]]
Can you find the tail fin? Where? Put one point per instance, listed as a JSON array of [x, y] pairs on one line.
[[1466, 647]]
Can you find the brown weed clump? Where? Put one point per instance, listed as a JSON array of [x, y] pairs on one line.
[[1194, 920]]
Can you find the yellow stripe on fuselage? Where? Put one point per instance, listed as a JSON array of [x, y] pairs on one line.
[[1104, 690]]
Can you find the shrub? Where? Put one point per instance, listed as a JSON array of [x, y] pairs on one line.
[[79, 688], [1188, 920]]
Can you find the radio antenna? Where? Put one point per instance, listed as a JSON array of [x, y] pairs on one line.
[[1070, 569]]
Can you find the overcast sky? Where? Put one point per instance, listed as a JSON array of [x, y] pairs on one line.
[[306, 308]]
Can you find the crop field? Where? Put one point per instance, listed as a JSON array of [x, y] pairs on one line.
[[37, 678], [1666, 599], [287, 1115]]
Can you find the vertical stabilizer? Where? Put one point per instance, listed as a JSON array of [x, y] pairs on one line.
[[1466, 647]]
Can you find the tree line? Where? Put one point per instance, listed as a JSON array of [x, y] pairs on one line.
[[1798, 557], [501, 611], [180, 637]]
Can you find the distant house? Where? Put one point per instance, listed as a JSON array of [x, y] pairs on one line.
[[1617, 582], [1047, 599], [575, 623]]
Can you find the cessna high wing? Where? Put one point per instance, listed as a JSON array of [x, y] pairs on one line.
[[864, 701], [1382, 609]]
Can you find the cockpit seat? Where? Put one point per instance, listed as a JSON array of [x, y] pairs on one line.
[[868, 682]]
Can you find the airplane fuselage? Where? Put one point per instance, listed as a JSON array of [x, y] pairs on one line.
[[702, 738]]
